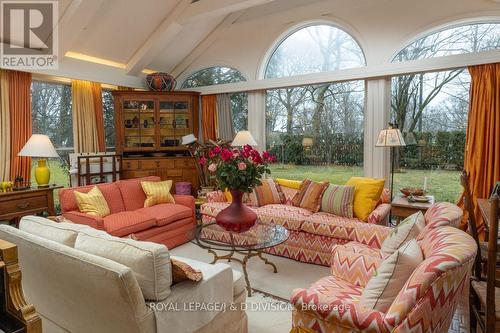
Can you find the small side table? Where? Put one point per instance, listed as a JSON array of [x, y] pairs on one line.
[[401, 208], [197, 205], [16, 204]]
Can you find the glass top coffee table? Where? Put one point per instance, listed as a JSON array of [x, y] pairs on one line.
[[249, 244]]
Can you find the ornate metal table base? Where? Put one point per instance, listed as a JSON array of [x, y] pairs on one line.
[[247, 254]]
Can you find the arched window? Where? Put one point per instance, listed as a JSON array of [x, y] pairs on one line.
[[213, 75], [314, 49], [220, 75], [467, 38]]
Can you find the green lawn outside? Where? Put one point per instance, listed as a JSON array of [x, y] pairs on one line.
[[58, 176], [444, 185]]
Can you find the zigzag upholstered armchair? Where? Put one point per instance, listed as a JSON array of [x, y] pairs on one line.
[[427, 301]]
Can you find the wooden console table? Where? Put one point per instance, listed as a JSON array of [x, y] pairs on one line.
[[401, 208], [16, 315], [16, 204]]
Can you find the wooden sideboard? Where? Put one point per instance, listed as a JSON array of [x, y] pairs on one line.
[[149, 131], [16, 204], [178, 169], [16, 315]]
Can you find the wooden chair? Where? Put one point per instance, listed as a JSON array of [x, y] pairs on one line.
[[482, 246], [484, 301]]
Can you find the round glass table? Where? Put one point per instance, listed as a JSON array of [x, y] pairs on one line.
[[248, 244]]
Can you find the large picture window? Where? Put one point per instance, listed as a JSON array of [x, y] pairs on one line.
[[51, 115], [457, 40], [317, 131], [222, 75], [314, 49]]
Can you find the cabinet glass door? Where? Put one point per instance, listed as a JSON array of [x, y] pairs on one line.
[[175, 122], [139, 124]]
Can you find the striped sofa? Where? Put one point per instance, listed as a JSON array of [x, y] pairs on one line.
[[312, 235], [427, 301]]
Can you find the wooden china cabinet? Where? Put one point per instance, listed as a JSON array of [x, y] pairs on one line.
[[149, 128]]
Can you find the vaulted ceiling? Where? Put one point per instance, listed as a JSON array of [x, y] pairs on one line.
[[180, 36]]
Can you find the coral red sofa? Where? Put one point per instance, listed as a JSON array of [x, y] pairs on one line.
[[168, 224]]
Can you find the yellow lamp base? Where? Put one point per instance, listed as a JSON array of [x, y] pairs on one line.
[[42, 174]]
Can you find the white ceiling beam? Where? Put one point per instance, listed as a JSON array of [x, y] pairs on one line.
[[203, 46], [203, 10], [73, 22], [158, 40]]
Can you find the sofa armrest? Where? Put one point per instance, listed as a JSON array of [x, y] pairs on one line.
[[185, 200], [380, 214], [95, 222], [355, 267], [216, 196], [211, 291], [346, 315]]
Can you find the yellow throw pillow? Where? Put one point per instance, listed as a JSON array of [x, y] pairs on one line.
[[367, 193], [157, 193], [295, 184], [92, 202]]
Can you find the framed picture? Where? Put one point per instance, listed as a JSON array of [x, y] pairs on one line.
[[496, 189]]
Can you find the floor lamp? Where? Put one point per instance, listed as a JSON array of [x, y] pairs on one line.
[[391, 137]]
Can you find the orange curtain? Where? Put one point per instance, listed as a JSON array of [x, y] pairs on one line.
[[99, 115], [208, 116], [482, 150], [20, 122]]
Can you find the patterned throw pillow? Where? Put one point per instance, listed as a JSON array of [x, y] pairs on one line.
[[338, 200], [184, 272], [309, 195], [268, 193], [92, 202], [391, 276], [157, 193], [407, 230]]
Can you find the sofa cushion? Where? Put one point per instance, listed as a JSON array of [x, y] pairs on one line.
[[92, 202], [62, 233], [166, 213], [110, 192], [342, 227], [338, 200], [407, 230], [150, 262], [326, 295], [288, 216], [269, 192], [366, 195], [124, 223], [132, 192], [157, 193], [309, 195], [391, 276]]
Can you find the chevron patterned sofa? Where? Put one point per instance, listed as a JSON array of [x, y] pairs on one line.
[[312, 235], [427, 301]]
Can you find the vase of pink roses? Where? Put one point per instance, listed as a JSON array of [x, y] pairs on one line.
[[239, 170]]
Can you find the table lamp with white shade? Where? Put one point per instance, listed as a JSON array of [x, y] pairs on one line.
[[244, 138], [39, 145]]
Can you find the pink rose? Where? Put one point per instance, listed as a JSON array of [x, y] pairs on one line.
[[242, 166], [216, 150], [236, 153], [212, 167], [203, 160]]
